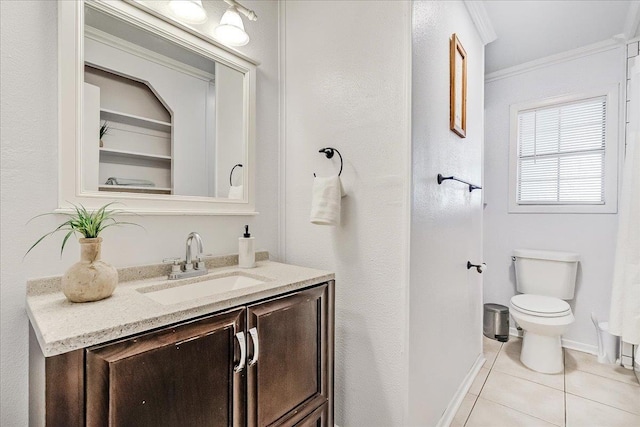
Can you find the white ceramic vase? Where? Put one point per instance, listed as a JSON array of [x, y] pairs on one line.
[[91, 279]]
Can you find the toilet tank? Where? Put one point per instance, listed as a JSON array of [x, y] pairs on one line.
[[548, 273]]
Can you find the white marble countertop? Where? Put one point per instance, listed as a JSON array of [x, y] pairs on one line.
[[62, 326]]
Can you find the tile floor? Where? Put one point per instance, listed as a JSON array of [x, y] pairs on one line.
[[587, 394]]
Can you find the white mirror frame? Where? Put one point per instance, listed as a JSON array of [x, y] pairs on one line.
[[70, 96]]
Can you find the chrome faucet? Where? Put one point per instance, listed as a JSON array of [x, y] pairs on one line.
[[192, 265], [188, 265]]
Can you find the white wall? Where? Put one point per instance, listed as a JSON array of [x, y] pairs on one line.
[[590, 235], [119, 93], [229, 129], [446, 220], [346, 68], [400, 358], [28, 122]]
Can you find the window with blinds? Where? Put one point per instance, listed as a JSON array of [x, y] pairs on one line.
[[561, 153]]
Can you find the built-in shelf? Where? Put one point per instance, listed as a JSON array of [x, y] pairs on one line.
[[136, 146], [134, 154], [130, 119], [135, 189]]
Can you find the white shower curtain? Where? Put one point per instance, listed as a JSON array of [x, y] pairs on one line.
[[624, 319]]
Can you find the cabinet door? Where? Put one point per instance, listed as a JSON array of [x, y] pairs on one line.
[[318, 418], [288, 372], [178, 376]]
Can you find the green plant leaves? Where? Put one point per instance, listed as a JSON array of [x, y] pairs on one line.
[[104, 129], [89, 224]]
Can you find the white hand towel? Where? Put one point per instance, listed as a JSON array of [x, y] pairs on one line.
[[236, 192], [325, 200], [129, 181]]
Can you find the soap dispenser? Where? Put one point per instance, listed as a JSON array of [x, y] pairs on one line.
[[246, 250]]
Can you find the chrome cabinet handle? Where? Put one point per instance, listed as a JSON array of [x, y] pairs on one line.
[[256, 346], [243, 352]]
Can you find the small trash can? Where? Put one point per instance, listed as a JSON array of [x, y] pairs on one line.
[[607, 343], [496, 322]]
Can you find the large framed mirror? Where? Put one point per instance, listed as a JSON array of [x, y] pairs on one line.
[[152, 115]]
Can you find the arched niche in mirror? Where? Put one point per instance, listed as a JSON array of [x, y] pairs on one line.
[[178, 111]]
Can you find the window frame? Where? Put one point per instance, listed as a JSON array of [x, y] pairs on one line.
[[611, 163]]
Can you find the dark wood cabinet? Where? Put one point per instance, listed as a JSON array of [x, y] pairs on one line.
[[179, 376], [291, 371], [319, 417], [263, 364]]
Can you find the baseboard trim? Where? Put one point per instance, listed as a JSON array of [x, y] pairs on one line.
[[514, 332], [456, 401], [570, 344], [579, 346]]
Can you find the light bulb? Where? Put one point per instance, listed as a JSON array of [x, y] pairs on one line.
[[231, 29], [190, 11]]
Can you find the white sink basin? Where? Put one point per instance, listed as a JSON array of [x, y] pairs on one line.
[[204, 288]]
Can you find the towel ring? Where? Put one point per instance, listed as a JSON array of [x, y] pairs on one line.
[[231, 173], [329, 152]]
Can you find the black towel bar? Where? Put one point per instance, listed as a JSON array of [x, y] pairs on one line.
[[471, 186]]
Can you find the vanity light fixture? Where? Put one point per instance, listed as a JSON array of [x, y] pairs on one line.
[[190, 11], [231, 29]]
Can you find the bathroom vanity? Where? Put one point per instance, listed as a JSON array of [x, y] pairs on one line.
[[239, 348]]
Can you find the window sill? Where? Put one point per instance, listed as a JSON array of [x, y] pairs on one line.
[[610, 208]]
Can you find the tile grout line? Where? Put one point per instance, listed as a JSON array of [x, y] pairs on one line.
[[577, 368], [605, 377], [602, 403], [524, 379], [531, 381], [494, 361], [466, 420], [475, 401], [518, 411], [564, 383]]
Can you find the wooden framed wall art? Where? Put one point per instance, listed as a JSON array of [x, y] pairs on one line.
[[458, 94]]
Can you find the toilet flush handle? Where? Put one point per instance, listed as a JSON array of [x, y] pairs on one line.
[[479, 267]]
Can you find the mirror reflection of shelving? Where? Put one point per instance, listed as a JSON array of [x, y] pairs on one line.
[[135, 154]]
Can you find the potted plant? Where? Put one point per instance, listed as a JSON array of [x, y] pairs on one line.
[[104, 129], [90, 279]]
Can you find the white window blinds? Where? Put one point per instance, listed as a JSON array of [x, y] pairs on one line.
[[561, 153]]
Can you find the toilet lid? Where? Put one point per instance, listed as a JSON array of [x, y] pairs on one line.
[[539, 305]]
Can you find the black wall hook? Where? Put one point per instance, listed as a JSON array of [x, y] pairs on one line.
[[471, 186], [329, 152], [231, 173]]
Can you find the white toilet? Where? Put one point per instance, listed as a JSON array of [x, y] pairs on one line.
[[545, 279]]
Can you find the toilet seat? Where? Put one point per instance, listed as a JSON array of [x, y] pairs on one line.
[[541, 306]]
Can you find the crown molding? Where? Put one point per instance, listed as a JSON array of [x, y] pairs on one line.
[[558, 58], [633, 40], [481, 19], [632, 21]]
